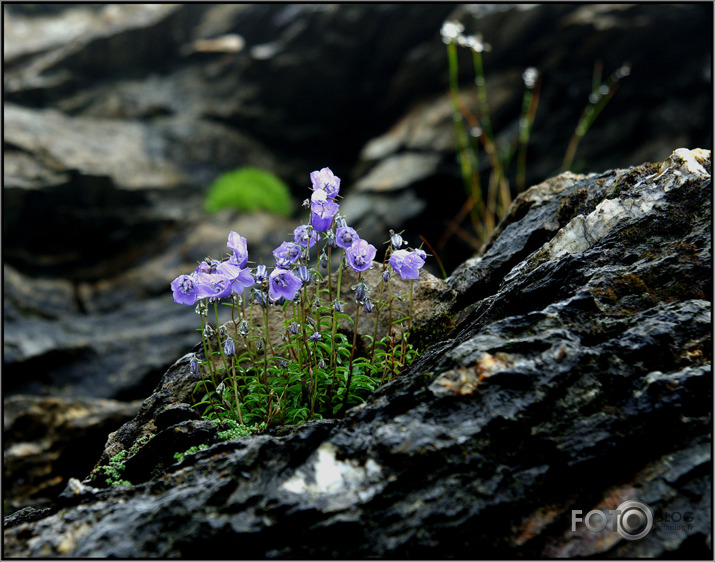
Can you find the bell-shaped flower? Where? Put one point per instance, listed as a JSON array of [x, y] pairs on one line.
[[213, 285], [305, 236], [326, 180], [345, 236], [282, 283], [288, 251], [240, 279], [237, 243], [185, 289], [360, 255], [407, 264], [322, 213]]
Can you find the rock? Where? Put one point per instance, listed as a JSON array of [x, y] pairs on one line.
[[579, 377], [48, 439]]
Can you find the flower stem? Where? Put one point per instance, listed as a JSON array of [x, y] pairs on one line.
[[352, 351]]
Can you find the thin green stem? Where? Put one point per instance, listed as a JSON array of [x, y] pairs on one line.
[[352, 351]]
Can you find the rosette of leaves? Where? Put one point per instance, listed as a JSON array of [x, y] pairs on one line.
[[249, 189]]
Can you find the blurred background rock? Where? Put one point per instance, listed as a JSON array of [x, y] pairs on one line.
[[118, 117]]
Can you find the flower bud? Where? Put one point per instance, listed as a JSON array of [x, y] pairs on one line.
[[208, 331], [396, 240], [244, 327], [259, 297], [385, 276], [330, 236], [360, 291], [194, 366], [323, 260], [294, 328], [368, 306], [337, 306], [229, 348], [315, 337], [261, 274], [304, 274]]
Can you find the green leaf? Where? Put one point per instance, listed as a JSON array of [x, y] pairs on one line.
[[249, 189]]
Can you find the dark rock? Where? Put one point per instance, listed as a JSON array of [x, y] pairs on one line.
[[173, 414], [579, 377], [47, 440]]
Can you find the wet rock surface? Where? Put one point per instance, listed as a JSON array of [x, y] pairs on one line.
[[579, 377]]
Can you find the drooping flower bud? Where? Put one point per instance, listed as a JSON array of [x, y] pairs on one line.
[[229, 348], [261, 274], [368, 306], [304, 274], [396, 240], [337, 306]]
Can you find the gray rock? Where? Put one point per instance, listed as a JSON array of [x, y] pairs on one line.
[[47, 439], [579, 377]]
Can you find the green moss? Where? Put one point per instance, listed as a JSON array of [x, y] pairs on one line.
[[179, 457], [249, 189], [113, 471], [542, 256]]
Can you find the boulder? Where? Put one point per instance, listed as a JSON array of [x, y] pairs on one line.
[[578, 377], [46, 440]]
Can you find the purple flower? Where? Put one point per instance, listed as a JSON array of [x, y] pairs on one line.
[[396, 240], [407, 264], [360, 255], [305, 236], [282, 283], [213, 285], [304, 274], [345, 236], [204, 267], [288, 251], [261, 273], [315, 336], [322, 213], [237, 243], [229, 348], [368, 306], [360, 291], [240, 279], [327, 180], [294, 328], [185, 289]]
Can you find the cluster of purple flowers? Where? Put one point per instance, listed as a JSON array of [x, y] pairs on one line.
[[216, 279], [219, 279]]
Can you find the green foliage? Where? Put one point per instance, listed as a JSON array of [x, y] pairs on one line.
[[236, 430], [113, 471], [298, 383], [249, 189], [179, 457]]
